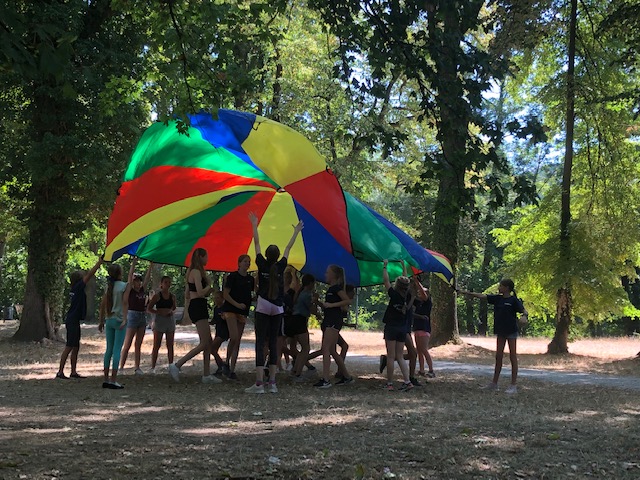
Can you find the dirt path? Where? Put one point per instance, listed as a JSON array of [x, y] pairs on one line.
[[551, 376]]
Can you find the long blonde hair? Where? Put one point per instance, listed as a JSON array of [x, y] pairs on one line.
[[196, 263]]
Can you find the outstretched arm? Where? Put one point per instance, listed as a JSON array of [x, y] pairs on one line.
[[385, 274], [256, 238], [481, 296], [94, 269], [296, 230]]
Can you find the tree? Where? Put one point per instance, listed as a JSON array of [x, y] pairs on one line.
[[61, 59], [435, 45]]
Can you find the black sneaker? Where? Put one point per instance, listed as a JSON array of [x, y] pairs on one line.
[[311, 368], [225, 369], [339, 376], [232, 376], [345, 381], [415, 382], [383, 363], [322, 383], [430, 374], [105, 384], [219, 371]]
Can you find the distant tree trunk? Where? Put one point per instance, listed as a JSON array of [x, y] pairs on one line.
[[564, 314], [469, 315]]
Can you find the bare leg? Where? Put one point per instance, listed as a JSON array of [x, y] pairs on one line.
[[128, 340], [499, 355], [391, 355], [204, 333], [157, 341], [513, 356], [138, 348], [63, 358], [74, 360], [329, 339], [301, 358], [412, 354], [400, 358], [169, 341]]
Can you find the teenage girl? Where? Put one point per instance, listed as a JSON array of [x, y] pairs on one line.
[[298, 328], [162, 304], [269, 307], [238, 295], [76, 313], [422, 327], [395, 327], [114, 326], [506, 306], [198, 288], [288, 350], [134, 309], [335, 299]]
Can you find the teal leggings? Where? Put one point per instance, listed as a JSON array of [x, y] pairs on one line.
[[115, 339]]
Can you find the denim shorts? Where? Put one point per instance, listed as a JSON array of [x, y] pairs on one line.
[[136, 319]]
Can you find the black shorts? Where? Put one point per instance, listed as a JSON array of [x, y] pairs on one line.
[[198, 310], [295, 325], [336, 323], [393, 333], [73, 334], [222, 330]]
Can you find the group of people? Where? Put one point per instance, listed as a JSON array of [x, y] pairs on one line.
[[284, 304]]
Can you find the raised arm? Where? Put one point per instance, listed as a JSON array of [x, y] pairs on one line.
[[132, 270], [256, 238], [420, 290], [404, 268], [296, 230], [94, 269], [125, 302], [385, 275]]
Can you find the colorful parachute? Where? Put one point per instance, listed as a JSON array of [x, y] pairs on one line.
[[182, 191]]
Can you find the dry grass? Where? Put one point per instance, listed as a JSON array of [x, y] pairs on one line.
[[155, 428]]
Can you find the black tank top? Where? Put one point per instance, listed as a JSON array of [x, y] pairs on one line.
[[192, 286], [164, 302], [137, 300]]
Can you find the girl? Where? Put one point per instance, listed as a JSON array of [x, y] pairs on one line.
[[76, 313], [198, 287], [269, 308], [114, 327], [135, 311], [335, 299], [162, 304], [422, 327], [506, 306], [221, 335], [238, 295], [291, 289], [298, 328], [395, 333]]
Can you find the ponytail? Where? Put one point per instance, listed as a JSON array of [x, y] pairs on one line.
[[338, 271], [115, 274]]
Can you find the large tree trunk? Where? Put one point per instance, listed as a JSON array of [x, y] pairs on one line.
[[444, 322], [564, 313], [483, 311]]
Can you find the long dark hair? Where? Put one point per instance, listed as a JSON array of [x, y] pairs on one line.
[[507, 282], [115, 274], [196, 263], [272, 254]]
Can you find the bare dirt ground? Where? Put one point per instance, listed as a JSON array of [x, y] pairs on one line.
[[448, 429]]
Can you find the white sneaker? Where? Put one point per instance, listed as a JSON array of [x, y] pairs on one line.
[[492, 387], [174, 371], [138, 371], [255, 389], [152, 371], [273, 388], [511, 390], [211, 379]]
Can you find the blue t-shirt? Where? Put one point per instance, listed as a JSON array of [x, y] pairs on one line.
[[78, 306], [303, 303], [505, 310]]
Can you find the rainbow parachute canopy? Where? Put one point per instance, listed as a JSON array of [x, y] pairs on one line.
[[181, 192]]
